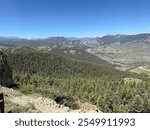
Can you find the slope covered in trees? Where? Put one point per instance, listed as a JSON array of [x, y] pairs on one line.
[[79, 54], [56, 77], [54, 65], [108, 95]]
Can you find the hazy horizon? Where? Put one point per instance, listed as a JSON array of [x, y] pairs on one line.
[[28, 37]]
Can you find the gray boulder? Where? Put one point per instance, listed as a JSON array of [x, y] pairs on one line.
[[5, 71]]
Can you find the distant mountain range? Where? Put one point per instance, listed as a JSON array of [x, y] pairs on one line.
[[78, 42], [52, 42], [122, 49]]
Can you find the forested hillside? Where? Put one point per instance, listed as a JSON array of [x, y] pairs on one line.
[[68, 82], [53, 65], [79, 54]]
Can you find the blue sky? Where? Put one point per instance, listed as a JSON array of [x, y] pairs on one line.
[[78, 18]]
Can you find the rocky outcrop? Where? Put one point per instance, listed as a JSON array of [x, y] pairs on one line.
[[5, 71], [36, 103]]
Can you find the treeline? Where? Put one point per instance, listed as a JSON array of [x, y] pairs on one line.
[[53, 65], [109, 96]]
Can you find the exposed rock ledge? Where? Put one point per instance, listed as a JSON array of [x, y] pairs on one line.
[[37, 103], [5, 71]]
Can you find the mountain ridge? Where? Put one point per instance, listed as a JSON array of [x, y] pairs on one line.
[[122, 48], [107, 39]]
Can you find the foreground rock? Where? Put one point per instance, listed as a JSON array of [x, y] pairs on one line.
[[36, 103], [5, 71]]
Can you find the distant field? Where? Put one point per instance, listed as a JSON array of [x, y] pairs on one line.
[[138, 70], [3, 47], [132, 80], [124, 67], [141, 70]]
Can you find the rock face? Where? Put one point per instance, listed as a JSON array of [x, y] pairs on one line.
[[36, 103], [5, 71]]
